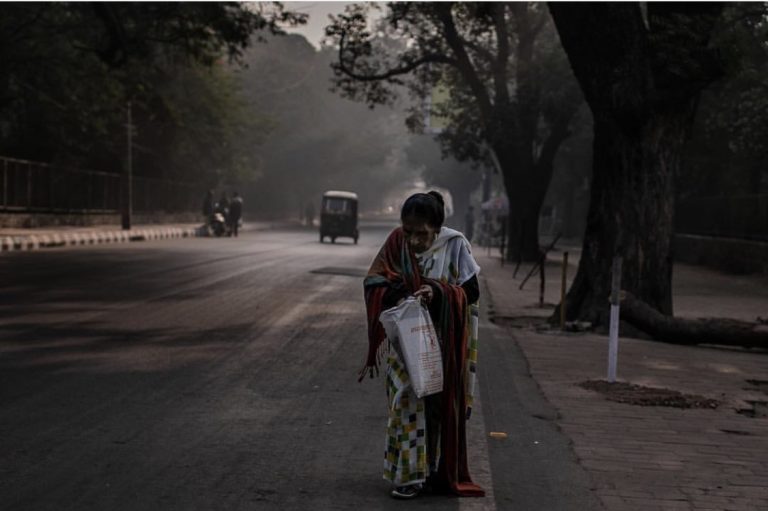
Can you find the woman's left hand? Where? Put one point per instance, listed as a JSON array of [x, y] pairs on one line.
[[425, 292]]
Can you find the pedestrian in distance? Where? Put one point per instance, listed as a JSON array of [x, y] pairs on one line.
[[469, 223], [426, 438], [235, 213], [223, 204]]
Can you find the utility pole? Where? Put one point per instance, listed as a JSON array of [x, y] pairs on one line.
[[128, 176]]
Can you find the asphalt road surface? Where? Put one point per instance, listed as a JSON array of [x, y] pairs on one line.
[[220, 374]]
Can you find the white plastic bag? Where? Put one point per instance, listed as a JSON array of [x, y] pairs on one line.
[[410, 326]]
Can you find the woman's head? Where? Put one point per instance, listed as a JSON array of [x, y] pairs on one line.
[[422, 216]]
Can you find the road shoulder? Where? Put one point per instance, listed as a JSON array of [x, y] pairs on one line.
[[534, 467]]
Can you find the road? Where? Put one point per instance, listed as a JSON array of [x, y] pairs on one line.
[[221, 374]]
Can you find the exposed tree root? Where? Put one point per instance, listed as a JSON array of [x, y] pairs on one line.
[[726, 332]]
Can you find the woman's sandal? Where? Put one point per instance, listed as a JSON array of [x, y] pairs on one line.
[[406, 492]]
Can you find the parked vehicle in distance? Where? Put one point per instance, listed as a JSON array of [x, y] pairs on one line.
[[338, 216], [218, 224]]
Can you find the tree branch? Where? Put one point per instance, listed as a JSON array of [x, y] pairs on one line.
[[23, 26], [479, 49], [500, 78], [115, 33], [681, 60], [528, 94], [432, 58], [464, 64], [609, 63]]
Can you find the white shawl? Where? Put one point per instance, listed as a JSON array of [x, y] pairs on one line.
[[449, 259]]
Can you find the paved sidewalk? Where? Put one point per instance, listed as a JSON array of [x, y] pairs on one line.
[[652, 457], [13, 239]]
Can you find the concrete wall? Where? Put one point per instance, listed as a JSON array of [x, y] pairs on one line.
[[729, 255]]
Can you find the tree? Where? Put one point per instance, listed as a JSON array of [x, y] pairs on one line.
[[642, 74], [68, 69], [729, 143], [54, 99], [119, 33], [195, 124], [507, 93]]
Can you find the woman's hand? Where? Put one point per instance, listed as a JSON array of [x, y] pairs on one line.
[[425, 292]]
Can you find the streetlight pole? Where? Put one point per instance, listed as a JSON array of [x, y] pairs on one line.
[[128, 176]]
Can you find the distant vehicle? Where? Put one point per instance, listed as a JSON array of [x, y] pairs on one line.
[[218, 224], [338, 216]]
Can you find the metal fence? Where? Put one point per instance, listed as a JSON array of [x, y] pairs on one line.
[[165, 195], [35, 187], [743, 217]]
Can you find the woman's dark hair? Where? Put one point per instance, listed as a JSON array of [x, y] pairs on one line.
[[429, 207]]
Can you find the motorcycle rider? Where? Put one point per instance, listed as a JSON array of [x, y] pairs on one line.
[[222, 208]]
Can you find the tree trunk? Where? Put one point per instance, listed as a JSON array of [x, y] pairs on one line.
[[641, 77], [525, 189], [527, 177], [523, 227], [630, 214], [569, 209]]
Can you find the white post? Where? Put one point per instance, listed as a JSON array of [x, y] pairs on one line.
[[613, 332]]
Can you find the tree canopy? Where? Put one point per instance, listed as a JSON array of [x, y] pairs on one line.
[[67, 71], [729, 143], [510, 90]]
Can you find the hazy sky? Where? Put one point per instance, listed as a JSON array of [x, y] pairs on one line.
[[318, 18]]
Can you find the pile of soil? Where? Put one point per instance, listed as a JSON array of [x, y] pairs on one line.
[[522, 322], [647, 396]]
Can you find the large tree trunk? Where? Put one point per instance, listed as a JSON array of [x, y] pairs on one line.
[[630, 214], [523, 224], [526, 181], [641, 77], [525, 188]]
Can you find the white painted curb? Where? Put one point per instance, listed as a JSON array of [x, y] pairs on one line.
[[35, 242]]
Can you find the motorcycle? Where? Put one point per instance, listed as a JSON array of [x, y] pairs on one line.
[[218, 224]]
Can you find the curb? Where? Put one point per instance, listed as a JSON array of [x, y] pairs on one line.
[[36, 242]]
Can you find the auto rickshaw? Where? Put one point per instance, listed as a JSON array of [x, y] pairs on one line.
[[338, 216]]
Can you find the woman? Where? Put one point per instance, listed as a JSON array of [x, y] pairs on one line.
[[426, 438]]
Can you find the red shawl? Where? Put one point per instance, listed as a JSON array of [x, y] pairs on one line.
[[396, 265]]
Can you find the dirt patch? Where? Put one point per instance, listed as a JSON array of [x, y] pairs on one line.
[[525, 322], [647, 396]]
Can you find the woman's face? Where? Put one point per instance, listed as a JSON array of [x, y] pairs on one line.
[[418, 234]]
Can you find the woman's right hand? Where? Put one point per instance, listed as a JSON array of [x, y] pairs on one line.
[[425, 292]]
